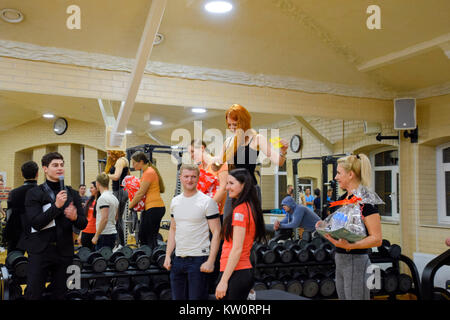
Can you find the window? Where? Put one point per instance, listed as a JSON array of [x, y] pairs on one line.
[[443, 183], [386, 182]]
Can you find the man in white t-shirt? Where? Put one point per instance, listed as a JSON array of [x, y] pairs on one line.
[[193, 216], [106, 214]]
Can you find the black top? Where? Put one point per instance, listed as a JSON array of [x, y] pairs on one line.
[[367, 210], [116, 184], [41, 210], [246, 157]]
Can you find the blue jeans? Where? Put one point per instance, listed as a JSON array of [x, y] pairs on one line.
[[187, 281], [106, 240]]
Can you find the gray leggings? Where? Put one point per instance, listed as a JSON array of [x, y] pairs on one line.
[[351, 276]]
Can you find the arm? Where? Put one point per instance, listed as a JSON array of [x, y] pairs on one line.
[[170, 244], [33, 208], [81, 221], [120, 164], [104, 212], [140, 193], [297, 218], [233, 259], [267, 149], [222, 192], [214, 227]]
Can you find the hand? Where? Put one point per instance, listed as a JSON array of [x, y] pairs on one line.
[[447, 241], [71, 212], [341, 243], [284, 146], [276, 225], [61, 199], [79, 238], [207, 267], [167, 263], [221, 290], [95, 239], [318, 223]]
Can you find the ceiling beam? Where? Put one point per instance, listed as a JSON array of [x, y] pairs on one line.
[[143, 54], [404, 54], [301, 121], [107, 113]]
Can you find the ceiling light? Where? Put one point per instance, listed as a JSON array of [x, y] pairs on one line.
[[128, 132], [218, 6], [48, 115], [158, 39], [198, 110], [11, 15], [155, 122]]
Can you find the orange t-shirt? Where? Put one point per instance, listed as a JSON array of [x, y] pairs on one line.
[[90, 228], [153, 195], [224, 167], [242, 217]]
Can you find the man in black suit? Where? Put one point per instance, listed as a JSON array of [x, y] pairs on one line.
[[16, 232], [51, 213]]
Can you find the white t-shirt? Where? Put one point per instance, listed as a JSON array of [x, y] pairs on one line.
[[107, 200], [191, 216]]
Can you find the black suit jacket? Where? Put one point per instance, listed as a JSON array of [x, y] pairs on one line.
[[16, 231], [38, 241]]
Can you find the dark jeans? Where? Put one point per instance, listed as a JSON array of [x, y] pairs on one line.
[[187, 281], [40, 266], [86, 240], [239, 284], [122, 196], [106, 240], [149, 227]]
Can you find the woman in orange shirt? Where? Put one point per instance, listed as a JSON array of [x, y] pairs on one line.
[[88, 233], [240, 229], [151, 187]]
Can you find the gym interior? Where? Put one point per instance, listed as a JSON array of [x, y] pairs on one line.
[[330, 78]]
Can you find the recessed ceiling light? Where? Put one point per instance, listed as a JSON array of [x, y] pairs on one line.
[[128, 132], [155, 122], [11, 15], [158, 39], [48, 115], [218, 6], [198, 110]]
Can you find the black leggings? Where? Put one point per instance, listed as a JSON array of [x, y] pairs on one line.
[[239, 284], [86, 240], [149, 227]]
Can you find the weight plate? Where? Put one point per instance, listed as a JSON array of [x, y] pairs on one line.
[[294, 287], [127, 251], [99, 265], [327, 287], [310, 288], [269, 257], [276, 285], [83, 253], [286, 256], [303, 256], [20, 269], [404, 283], [106, 252], [121, 264], [259, 286], [143, 262], [146, 249], [390, 283]]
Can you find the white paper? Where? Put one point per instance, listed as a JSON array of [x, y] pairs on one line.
[[51, 224]]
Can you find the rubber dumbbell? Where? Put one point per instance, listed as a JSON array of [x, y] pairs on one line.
[[93, 260], [119, 262], [310, 286], [17, 263], [386, 249], [264, 254], [389, 280], [291, 285], [98, 294], [327, 286], [318, 253], [121, 293], [283, 254], [141, 258], [162, 289], [259, 285], [74, 295], [317, 240], [405, 283], [142, 289], [324, 251], [302, 252], [159, 255]]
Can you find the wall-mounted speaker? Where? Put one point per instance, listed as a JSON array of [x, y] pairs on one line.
[[405, 114]]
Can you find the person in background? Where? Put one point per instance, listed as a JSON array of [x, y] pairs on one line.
[[301, 196], [86, 235], [243, 226], [152, 185], [107, 208], [352, 259], [17, 230], [316, 202], [309, 198], [84, 198]]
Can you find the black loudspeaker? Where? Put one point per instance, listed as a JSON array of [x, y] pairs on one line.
[[405, 114]]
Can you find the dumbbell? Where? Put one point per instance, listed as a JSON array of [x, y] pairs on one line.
[[17, 263], [159, 255], [98, 294], [302, 252], [74, 295], [141, 289], [259, 285], [327, 286], [121, 289], [324, 251], [297, 252], [318, 253], [264, 253], [307, 236], [389, 280], [310, 286], [317, 240], [162, 289], [386, 249], [100, 289], [141, 257], [77, 262], [291, 285], [405, 283], [116, 260], [92, 259], [284, 254]]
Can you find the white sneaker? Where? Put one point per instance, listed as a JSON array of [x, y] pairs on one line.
[[2, 249], [251, 295], [117, 247]]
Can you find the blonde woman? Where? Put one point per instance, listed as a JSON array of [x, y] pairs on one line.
[[352, 259]]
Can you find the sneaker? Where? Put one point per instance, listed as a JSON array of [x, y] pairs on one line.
[[117, 247], [251, 295]]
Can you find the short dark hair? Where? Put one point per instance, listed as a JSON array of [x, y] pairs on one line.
[[82, 185], [49, 157], [29, 170], [317, 192]]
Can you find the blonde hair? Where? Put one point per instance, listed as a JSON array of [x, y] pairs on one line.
[[190, 167], [103, 179], [360, 165], [112, 159]]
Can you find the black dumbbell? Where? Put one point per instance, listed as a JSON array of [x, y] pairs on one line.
[[74, 295], [162, 289], [325, 251], [297, 252], [17, 263], [310, 286], [264, 253], [259, 285], [93, 260], [389, 280], [386, 249], [405, 283], [141, 258], [327, 287], [98, 294], [159, 255], [291, 285], [121, 293], [283, 254], [317, 240], [141, 289], [119, 262], [318, 253], [77, 262], [302, 252]]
